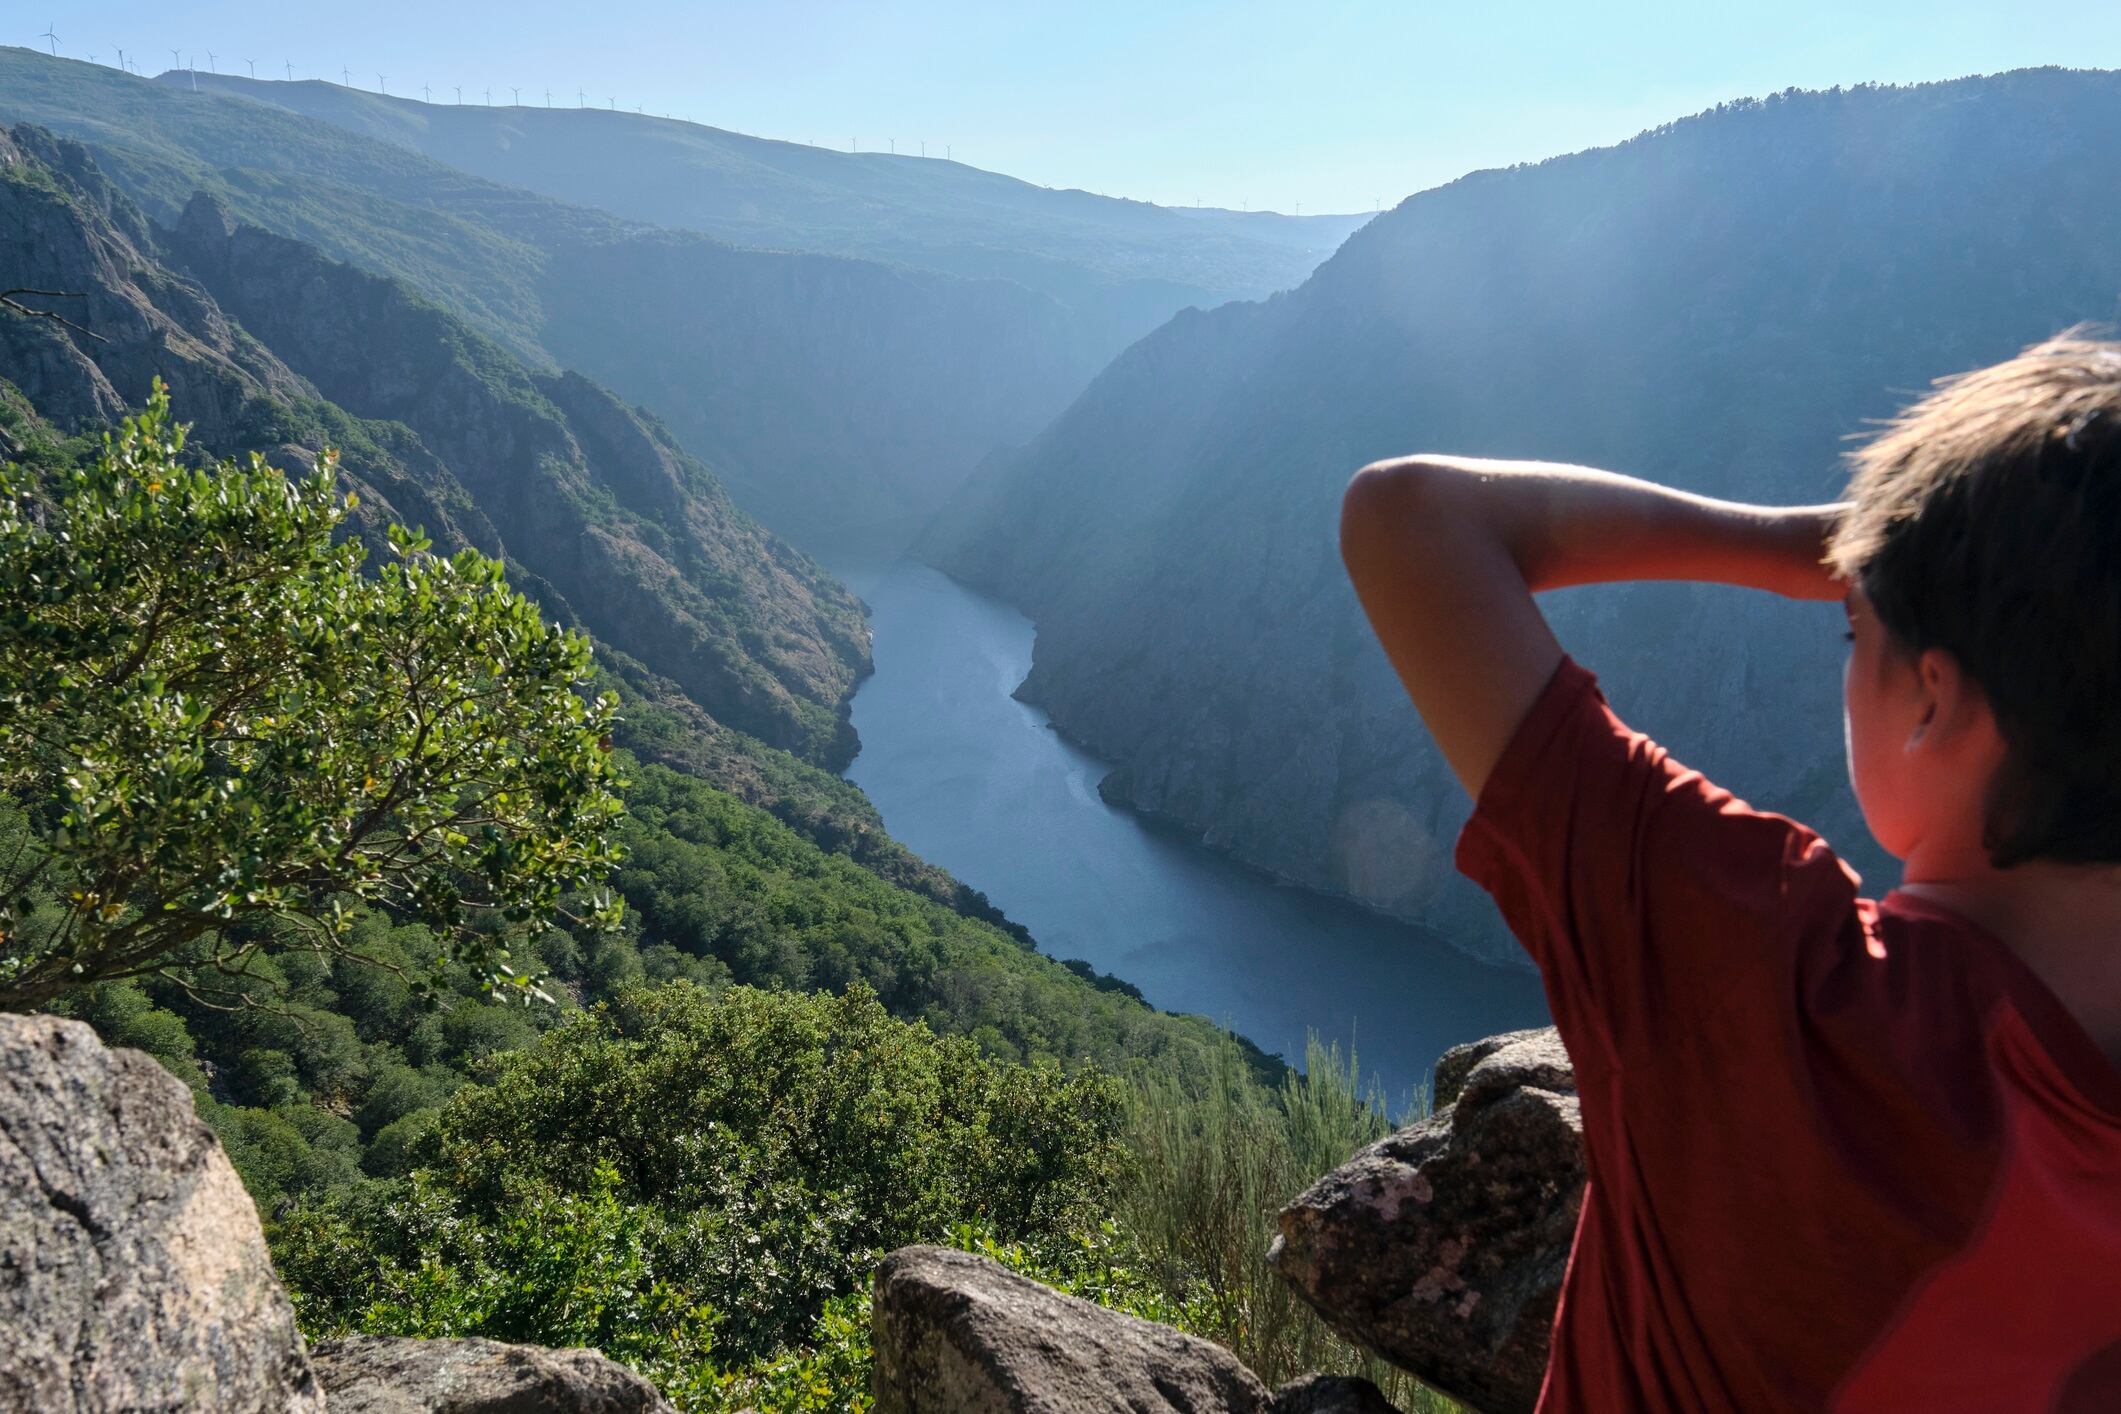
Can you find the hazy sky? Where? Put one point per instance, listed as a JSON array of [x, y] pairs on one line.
[[1331, 105]]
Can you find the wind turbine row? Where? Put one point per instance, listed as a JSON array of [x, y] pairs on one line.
[[213, 66]]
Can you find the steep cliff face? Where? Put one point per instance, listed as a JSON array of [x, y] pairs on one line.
[[64, 227], [268, 345], [637, 536], [1717, 304]]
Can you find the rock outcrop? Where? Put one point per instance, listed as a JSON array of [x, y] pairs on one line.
[[374, 1374], [1331, 1394], [133, 1273], [1442, 1248], [958, 1332]]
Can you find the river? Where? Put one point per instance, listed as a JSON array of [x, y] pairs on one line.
[[981, 784]]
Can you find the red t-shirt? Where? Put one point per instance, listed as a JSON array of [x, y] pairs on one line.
[[1842, 1154]]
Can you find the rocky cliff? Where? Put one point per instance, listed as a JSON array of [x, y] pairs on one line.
[[268, 345], [1718, 304]]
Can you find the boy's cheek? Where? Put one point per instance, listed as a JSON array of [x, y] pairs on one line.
[[1883, 799]]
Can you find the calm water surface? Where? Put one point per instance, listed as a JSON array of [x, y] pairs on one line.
[[979, 783]]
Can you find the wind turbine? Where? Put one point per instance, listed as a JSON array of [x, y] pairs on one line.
[[346, 76], [614, 104], [176, 59], [290, 64], [460, 95], [53, 37], [548, 98], [381, 85], [518, 96], [121, 61], [489, 98], [424, 90], [211, 67], [580, 98], [253, 67]]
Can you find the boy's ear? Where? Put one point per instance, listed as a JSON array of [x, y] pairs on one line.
[[1955, 712]]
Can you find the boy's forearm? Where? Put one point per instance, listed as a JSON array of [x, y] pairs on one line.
[[1445, 552], [1567, 525]]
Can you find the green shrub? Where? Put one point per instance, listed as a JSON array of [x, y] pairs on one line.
[[756, 1151]]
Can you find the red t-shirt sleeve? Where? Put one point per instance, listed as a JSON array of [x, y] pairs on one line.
[[1646, 894]]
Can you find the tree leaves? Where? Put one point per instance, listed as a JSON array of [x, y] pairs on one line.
[[212, 713]]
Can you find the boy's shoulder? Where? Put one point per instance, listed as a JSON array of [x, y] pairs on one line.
[[1966, 1018]]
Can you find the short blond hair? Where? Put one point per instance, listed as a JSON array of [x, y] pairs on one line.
[[1985, 520]]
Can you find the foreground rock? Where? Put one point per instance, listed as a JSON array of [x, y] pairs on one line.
[[1442, 1248], [958, 1334], [955, 1332], [1331, 1394], [370, 1374], [133, 1274]]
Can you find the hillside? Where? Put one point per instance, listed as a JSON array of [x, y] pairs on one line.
[[1719, 303], [1138, 259], [597, 518], [612, 525], [841, 400]]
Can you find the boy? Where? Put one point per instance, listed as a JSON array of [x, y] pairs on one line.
[[1843, 1154]]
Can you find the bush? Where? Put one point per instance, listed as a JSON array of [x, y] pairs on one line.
[[763, 1149]]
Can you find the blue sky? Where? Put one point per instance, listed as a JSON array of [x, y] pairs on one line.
[[1331, 105]]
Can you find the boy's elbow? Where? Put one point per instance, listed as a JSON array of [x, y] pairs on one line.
[[1385, 502]]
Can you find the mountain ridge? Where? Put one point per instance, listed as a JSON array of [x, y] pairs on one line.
[[779, 194], [841, 399]]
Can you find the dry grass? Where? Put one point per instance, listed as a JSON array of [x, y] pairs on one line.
[[1217, 1158]]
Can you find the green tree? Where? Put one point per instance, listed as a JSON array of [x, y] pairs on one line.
[[212, 719]]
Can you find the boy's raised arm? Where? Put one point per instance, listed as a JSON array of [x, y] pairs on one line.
[[1446, 552]]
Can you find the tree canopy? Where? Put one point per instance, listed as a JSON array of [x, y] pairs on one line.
[[211, 716]]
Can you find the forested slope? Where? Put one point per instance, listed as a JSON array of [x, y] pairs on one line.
[[1720, 303]]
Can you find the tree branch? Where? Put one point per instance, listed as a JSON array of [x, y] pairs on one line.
[[13, 305]]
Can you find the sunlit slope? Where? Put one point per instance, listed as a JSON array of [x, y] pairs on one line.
[[1720, 303]]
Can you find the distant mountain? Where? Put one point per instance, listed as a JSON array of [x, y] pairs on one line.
[[842, 400], [268, 345], [1719, 303], [925, 212]]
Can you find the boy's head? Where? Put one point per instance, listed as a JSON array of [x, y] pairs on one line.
[[1982, 547]]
